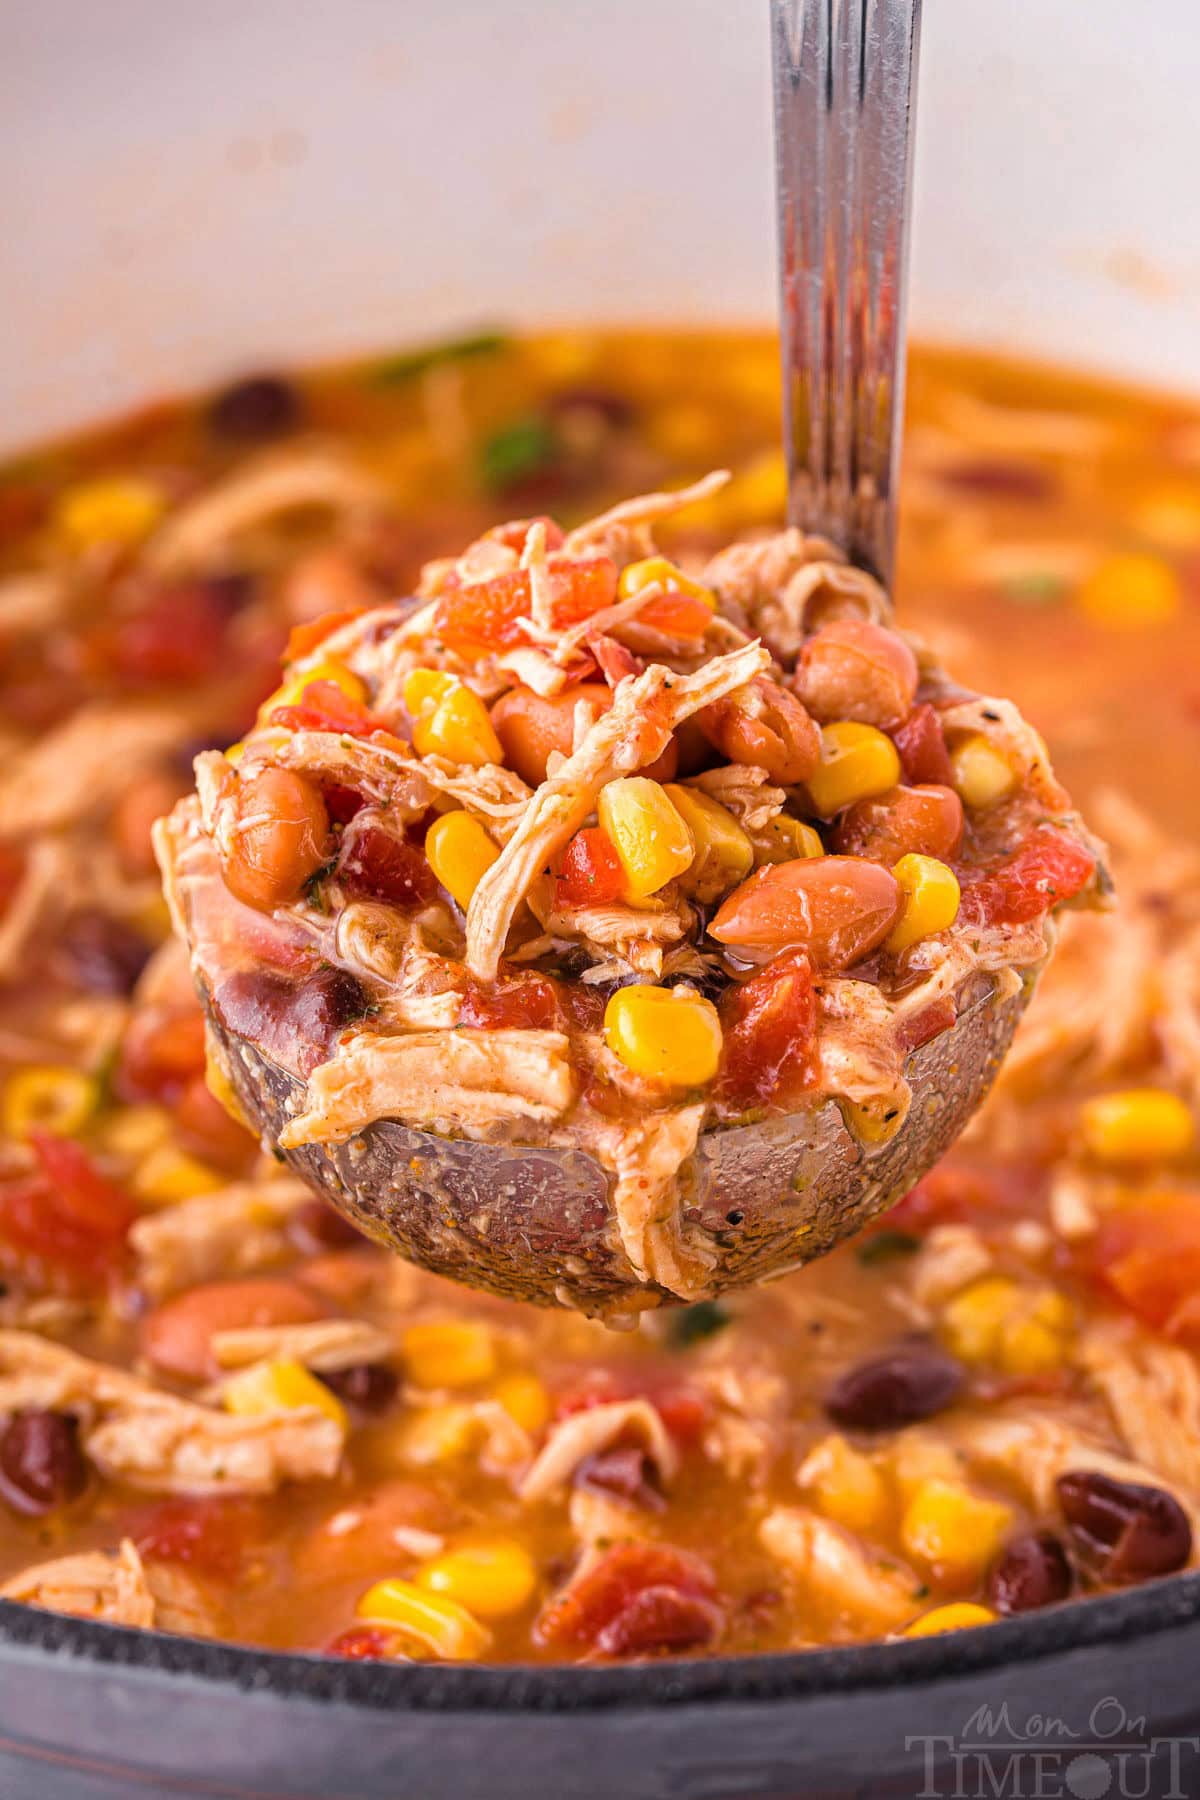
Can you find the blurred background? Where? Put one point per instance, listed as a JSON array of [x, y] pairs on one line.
[[192, 189]]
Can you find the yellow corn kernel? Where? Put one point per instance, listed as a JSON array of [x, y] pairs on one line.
[[291, 692], [437, 1434], [451, 1353], [914, 1459], [981, 775], [959, 1616], [423, 688], [953, 1531], [167, 1175], [457, 727], [48, 1097], [524, 1398], [650, 837], [235, 752], [222, 1089], [492, 1579], [783, 839], [281, 1386], [116, 509], [931, 897], [723, 855], [460, 853], [639, 575], [846, 1486], [760, 490], [133, 1131], [1022, 1330], [1137, 1125], [1129, 591], [667, 1034], [857, 762], [437, 1622]]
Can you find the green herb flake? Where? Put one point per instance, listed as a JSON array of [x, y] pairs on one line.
[[692, 1324], [884, 1246], [1035, 587], [514, 454], [394, 371]]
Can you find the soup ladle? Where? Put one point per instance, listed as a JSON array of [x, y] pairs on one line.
[[535, 1223]]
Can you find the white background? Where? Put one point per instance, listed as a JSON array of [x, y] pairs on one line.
[[190, 186]]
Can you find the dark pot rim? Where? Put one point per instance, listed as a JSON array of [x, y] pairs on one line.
[[1114, 1619]]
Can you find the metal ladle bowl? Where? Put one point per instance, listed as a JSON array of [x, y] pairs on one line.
[[536, 1223]]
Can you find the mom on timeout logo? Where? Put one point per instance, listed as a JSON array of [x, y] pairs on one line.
[[1107, 1755]]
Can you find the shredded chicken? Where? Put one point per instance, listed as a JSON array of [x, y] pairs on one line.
[[1153, 1392], [621, 531], [117, 1587], [743, 790], [310, 479], [139, 1434], [950, 1257], [646, 709], [60, 779], [236, 1230], [646, 1156], [584, 1434], [861, 1587], [781, 588], [469, 1080], [325, 1344]]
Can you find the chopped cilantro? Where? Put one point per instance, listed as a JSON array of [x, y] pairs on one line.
[[692, 1324], [410, 363], [518, 451]]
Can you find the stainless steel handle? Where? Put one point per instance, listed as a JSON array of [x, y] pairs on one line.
[[845, 89]]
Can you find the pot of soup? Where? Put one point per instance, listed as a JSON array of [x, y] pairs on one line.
[[281, 1513]]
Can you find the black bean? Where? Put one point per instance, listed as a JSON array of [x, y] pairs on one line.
[[369, 1387], [601, 403], [102, 954], [41, 1463], [911, 1382], [254, 410], [1123, 1530], [1032, 1571]]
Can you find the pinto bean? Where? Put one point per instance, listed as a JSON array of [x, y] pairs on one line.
[[278, 841], [765, 725], [531, 726], [177, 1336], [906, 821], [912, 1382], [837, 908], [852, 669], [1126, 1531]]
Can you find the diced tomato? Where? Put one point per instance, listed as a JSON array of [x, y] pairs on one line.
[[385, 866], [67, 1214], [162, 1051], [524, 1001], [1147, 1254], [365, 1643], [178, 635], [483, 615], [324, 707], [587, 1614], [209, 1532], [683, 1410], [342, 803], [515, 533], [303, 639], [959, 1191], [930, 1022], [921, 742], [614, 660], [590, 873], [1050, 867], [677, 615], [769, 1024]]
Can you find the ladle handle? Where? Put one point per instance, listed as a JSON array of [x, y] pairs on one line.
[[845, 90]]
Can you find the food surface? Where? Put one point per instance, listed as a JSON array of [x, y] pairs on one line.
[[222, 1412], [574, 849]]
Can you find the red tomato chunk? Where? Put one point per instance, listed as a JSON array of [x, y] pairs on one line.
[[527, 1001], [484, 614], [324, 707], [209, 1532], [378, 863], [67, 1214], [1048, 869], [590, 873], [638, 1599], [769, 1025]]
